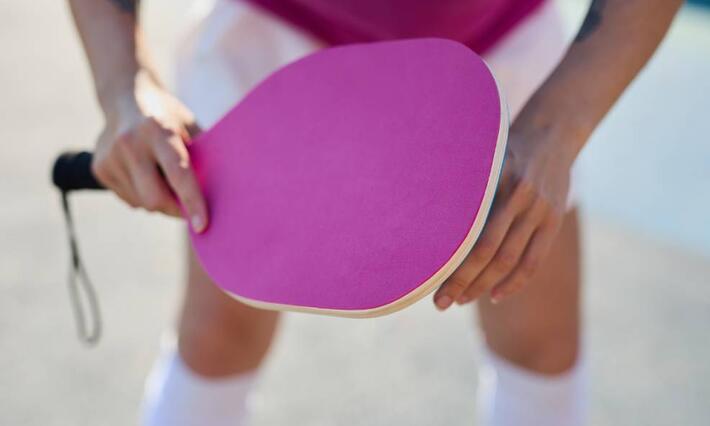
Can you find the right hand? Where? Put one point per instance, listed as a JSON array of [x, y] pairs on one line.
[[141, 153]]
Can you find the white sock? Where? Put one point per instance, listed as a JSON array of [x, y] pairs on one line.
[[509, 395], [176, 396]]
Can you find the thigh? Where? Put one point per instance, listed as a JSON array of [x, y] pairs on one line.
[[538, 327]]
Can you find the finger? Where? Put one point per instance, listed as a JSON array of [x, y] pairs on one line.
[[483, 251], [145, 180], [123, 187], [174, 160], [456, 284], [506, 184], [535, 253], [508, 254], [154, 193], [125, 183], [486, 247], [192, 130], [113, 176], [124, 192]]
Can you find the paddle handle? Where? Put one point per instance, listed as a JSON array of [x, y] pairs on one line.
[[72, 171]]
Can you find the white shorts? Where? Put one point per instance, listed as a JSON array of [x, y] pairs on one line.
[[234, 45]]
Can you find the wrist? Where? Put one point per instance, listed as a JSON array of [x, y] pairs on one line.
[[121, 97], [562, 129]]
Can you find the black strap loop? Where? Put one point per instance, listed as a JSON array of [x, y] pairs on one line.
[[81, 290]]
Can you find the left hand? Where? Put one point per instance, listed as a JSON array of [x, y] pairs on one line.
[[524, 220]]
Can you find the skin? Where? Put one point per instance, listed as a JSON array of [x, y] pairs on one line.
[[218, 336], [615, 42], [547, 344], [141, 153], [527, 255]]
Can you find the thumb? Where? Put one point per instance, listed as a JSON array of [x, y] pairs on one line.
[[192, 129]]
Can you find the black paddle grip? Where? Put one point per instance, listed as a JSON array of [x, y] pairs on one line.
[[72, 171]]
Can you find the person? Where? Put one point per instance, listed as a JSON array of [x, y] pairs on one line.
[[524, 271]]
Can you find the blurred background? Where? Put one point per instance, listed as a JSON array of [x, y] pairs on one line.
[[646, 199]]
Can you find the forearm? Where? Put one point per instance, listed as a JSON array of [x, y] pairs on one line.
[[111, 36], [616, 40]]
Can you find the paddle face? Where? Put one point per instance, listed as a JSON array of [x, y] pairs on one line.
[[353, 181]]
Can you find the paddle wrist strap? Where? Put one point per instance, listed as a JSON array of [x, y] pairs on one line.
[[71, 172], [82, 294]]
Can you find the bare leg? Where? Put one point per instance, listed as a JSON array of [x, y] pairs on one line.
[[219, 336], [531, 373], [538, 328], [221, 345]]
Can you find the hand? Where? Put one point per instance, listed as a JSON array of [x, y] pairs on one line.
[[524, 220], [141, 153]]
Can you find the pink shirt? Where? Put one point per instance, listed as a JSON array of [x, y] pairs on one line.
[[476, 23]]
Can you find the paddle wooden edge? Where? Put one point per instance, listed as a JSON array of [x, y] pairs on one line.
[[438, 278]]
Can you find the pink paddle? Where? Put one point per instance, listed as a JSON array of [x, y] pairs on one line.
[[354, 181]]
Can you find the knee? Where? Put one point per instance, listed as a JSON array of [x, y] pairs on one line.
[[214, 321], [217, 334], [549, 354], [230, 327], [220, 336]]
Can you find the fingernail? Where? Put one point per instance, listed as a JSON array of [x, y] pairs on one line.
[[495, 299], [463, 300], [443, 302], [198, 225]]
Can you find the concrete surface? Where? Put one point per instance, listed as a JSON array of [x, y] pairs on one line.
[[646, 258]]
